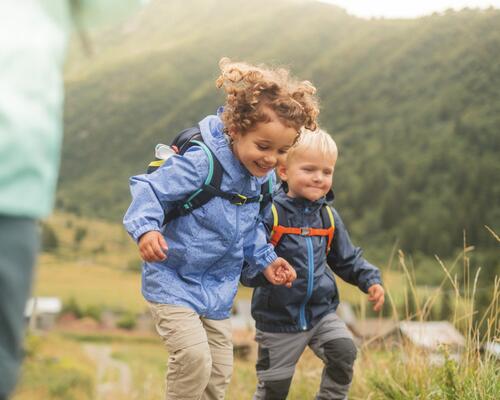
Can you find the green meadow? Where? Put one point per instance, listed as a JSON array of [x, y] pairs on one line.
[[59, 365]]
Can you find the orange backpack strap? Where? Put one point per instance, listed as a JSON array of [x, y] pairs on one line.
[[277, 231], [280, 230]]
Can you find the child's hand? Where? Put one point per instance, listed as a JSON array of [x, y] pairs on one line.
[[280, 272], [153, 246], [376, 295]]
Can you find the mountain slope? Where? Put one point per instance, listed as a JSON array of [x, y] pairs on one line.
[[413, 104]]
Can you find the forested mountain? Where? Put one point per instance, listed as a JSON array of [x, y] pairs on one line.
[[413, 104]]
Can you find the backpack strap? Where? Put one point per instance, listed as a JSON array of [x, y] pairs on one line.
[[328, 221], [200, 196], [279, 230], [211, 186], [266, 191]]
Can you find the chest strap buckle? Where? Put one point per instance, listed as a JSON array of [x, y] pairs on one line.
[[305, 231]]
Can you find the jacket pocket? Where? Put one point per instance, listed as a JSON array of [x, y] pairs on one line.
[[324, 290], [215, 222], [280, 297]]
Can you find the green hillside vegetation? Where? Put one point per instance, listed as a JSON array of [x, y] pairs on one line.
[[99, 270], [413, 104], [94, 266]]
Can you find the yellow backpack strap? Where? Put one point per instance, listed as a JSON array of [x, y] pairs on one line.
[[331, 229], [330, 215], [275, 218], [154, 165]]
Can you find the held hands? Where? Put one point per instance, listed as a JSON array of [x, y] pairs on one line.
[[152, 246], [376, 296], [280, 272]]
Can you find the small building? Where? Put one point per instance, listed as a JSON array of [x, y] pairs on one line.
[[368, 331], [376, 332], [492, 349], [41, 312], [430, 335]]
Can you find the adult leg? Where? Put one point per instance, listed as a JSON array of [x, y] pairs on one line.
[[18, 248], [334, 345], [189, 361], [278, 353], [219, 335]]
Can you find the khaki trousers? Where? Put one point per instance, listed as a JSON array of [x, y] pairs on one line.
[[200, 361]]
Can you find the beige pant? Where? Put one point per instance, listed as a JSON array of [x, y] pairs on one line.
[[200, 361]]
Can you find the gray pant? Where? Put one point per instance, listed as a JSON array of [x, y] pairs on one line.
[[278, 354], [18, 248]]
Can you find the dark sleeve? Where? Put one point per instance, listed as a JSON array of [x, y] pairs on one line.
[[249, 276], [347, 261]]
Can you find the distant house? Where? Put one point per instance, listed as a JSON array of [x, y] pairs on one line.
[[41, 312], [376, 331], [492, 349], [432, 334], [369, 331], [428, 335]]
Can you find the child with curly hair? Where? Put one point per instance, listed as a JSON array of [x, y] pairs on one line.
[[193, 264]]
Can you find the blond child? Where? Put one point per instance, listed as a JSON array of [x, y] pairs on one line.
[[310, 235]]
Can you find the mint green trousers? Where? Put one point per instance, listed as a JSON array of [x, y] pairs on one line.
[[18, 249]]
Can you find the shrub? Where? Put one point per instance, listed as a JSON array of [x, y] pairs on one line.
[[72, 307], [80, 234], [134, 265], [49, 239], [127, 321]]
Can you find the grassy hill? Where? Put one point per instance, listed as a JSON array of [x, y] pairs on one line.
[[413, 104], [98, 269]]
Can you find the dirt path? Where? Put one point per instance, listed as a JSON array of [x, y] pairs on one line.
[[113, 376]]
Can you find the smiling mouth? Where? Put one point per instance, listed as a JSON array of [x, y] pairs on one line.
[[264, 167]]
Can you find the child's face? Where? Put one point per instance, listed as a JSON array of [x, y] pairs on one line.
[[308, 174], [261, 149]]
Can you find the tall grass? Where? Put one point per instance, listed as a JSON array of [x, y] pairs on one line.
[[57, 368], [407, 372]]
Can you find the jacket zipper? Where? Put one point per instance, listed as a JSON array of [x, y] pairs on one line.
[[310, 284]]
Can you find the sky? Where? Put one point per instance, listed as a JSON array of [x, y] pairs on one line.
[[406, 8]]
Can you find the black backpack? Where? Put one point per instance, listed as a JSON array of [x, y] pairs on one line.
[[211, 187]]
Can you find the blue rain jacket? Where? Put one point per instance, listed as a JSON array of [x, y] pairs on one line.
[[207, 247], [314, 293]]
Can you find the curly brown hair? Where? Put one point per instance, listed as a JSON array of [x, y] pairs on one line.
[[254, 90]]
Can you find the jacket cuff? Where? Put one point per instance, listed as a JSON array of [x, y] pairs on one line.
[[369, 283], [142, 230], [268, 258]]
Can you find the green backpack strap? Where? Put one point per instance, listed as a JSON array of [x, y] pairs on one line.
[[204, 194], [211, 186]]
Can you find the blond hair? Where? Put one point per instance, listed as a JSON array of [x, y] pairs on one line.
[[319, 142], [252, 89]]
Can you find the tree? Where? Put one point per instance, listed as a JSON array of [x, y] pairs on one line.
[[80, 234], [49, 239]]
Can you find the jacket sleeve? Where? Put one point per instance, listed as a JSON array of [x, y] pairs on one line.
[[347, 261], [157, 193], [257, 244]]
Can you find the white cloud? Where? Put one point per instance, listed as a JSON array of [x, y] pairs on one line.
[[405, 8]]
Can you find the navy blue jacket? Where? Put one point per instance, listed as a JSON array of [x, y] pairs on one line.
[[314, 293]]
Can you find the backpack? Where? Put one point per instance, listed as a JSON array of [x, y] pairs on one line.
[[211, 187], [279, 214]]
